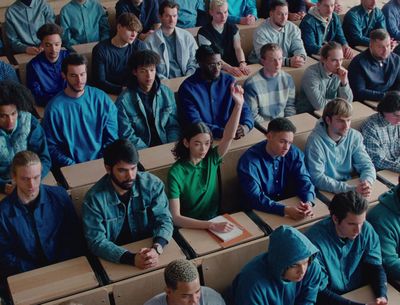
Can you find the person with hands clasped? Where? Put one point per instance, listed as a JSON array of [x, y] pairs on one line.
[[193, 180]]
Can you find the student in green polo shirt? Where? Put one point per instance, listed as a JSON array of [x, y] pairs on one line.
[[193, 179]]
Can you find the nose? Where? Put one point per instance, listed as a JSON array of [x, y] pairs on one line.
[[30, 183], [131, 175]]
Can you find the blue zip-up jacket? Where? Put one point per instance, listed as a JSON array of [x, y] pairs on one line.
[[133, 122], [358, 24], [261, 282], [332, 164], [27, 135], [266, 180], [44, 78], [56, 223], [104, 214], [210, 102], [391, 10], [313, 30], [241, 8]]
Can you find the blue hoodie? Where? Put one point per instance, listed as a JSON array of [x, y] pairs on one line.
[[331, 164], [260, 281]]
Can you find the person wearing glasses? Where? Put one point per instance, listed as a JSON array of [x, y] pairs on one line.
[[206, 96]]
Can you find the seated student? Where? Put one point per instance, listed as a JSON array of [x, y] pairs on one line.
[[145, 10], [38, 223], [322, 25], [177, 47], [381, 132], [183, 287], [385, 218], [126, 206], [334, 151], [270, 93], [191, 13], [23, 19], [84, 21], [297, 8], [206, 95], [147, 114], [391, 11], [376, 70], [225, 36], [338, 8], [242, 11], [276, 29], [43, 72], [324, 81], [274, 170], [81, 120], [287, 274], [110, 57], [349, 251], [193, 189], [19, 130], [360, 20], [7, 72]]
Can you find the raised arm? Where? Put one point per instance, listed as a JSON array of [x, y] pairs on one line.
[[233, 122]]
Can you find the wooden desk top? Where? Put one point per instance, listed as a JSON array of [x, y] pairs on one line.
[[389, 176], [309, 61], [23, 58], [83, 173], [274, 221], [253, 137], [85, 47], [49, 179], [372, 104], [52, 282], [4, 59], [365, 295], [378, 188], [117, 272], [202, 243]]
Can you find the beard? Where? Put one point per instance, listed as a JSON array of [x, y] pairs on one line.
[[125, 185]]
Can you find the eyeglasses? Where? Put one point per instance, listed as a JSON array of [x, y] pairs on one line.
[[214, 65]]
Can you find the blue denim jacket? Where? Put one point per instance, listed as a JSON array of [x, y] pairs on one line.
[[57, 226], [104, 213], [133, 123]]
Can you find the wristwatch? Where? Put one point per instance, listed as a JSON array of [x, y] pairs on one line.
[[159, 249]]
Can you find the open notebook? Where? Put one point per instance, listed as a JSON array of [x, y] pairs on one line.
[[236, 232]]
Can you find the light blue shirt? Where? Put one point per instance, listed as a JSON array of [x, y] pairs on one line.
[[241, 8]]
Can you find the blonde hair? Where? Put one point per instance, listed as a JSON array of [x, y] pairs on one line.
[[338, 106], [24, 158], [217, 3]]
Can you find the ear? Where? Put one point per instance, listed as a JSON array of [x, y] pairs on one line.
[[186, 143], [335, 220], [168, 291], [63, 75], [108, 169], [134, 72], [327, 121]]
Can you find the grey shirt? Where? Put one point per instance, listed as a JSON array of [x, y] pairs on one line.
[[208, 297]]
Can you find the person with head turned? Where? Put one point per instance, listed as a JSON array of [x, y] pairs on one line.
[[226, 37], [271, 92], [81, 120], [349, 251], [147, 112], [322, 25], [381, 132], [110, 57], [277, 29], [324, 81], [19, 130], [124, 206], [22, 21], [43, 72], [376, 70], [38, 223], [176, 47], [273, 170], [83, 21], [288, 274], [206, 96], [183, 287], [335, 152], [193, 186]]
